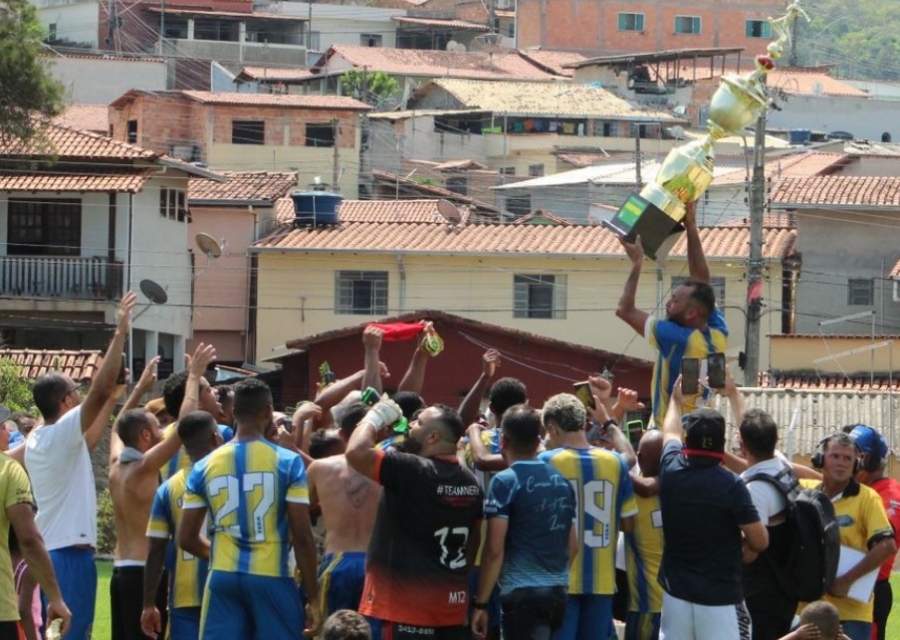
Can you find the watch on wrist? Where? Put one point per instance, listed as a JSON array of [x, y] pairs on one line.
[[609, 423], [480, 605]]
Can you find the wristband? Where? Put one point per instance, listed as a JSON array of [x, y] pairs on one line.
[[481, 606], [609, 423]]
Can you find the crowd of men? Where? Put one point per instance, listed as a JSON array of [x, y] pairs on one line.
[[364, 514]]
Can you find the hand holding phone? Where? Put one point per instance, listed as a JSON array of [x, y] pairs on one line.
[[715, 370], [583, 392]]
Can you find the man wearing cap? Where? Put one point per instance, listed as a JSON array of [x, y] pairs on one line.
[[874, 449], [707, 516]]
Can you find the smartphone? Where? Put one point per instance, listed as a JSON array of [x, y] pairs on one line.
[[715, 370], [690, 376], [582, 391], [122, 379], [633, 427]]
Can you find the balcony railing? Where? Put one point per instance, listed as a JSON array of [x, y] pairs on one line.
[[60, 277]]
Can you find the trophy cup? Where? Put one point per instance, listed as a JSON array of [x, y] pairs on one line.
[[655, 214]]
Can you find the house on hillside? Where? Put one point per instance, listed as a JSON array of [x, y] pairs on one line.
[[235, 214], [552, 279], [316, 136], [81, 227]]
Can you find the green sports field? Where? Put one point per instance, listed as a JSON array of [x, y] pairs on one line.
[[104, 569]]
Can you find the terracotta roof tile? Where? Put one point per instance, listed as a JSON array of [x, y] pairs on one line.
[[70, 143], [808, 163], [396, 211], [552, 61], [276, 74], [789, 80], [542, 217], [284, 210], [862, 382], [773, 221], [78, 365], [243, 186], [500, 238], [406, 187], [448, 24], [123, 181], [843, 191], [86, 117], [290, 100], [435, 64], [530, 99]]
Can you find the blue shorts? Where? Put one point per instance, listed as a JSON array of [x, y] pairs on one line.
[[246, 606], [588, 617], [493, 610], [642, 625], [341, 579], [76, 575], [184, 623]]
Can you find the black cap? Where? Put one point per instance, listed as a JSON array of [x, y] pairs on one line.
[[704, 433]]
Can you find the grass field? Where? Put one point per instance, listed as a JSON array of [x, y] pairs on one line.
[[104, 570]]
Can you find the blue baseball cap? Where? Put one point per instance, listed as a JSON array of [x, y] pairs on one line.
[[869, 441]]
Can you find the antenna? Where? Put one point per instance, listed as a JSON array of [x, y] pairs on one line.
[[211, 247], [449, 211], [155, 294]]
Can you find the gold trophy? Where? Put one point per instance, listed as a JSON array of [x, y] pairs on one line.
[[655, 214]]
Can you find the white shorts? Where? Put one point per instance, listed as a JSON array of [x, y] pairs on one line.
[[682, 620]]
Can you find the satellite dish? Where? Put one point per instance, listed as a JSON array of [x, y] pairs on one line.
[[449, 211], [208, 245], [155, 293]]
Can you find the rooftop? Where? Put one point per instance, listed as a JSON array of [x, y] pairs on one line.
[[257, 187], [797, 165], [70, 143], [81, 366], [446, 24], [412, 189], [100, 180], [277, 100], [828, 381], [556, 62], [274, 74], [236, 15], [85, 117], [657, 56], [846, 192], [510, 97]]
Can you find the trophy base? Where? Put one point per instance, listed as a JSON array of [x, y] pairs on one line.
[[640, 217]]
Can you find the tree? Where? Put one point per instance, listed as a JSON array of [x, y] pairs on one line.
[[28, 93], [377, 89], [15, 390]]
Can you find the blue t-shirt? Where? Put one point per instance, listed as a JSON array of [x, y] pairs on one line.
[[540, 505]]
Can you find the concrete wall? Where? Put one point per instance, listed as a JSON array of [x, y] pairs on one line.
[[835, 248], [343, 24], [799, 353], [297, 295], [863, 117], [75, 21], [593, 26], [100, 81]]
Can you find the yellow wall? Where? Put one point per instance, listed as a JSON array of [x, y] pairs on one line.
[[791, 353], [297, 295]]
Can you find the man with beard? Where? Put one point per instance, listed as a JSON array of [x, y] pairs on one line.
[[693, 328], [426, 528]]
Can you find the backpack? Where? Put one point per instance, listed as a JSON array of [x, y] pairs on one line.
[[814, 539]]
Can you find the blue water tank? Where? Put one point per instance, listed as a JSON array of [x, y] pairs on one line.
[[800, 136], [316, 208]]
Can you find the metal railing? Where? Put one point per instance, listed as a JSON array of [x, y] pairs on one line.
[[60, 277]]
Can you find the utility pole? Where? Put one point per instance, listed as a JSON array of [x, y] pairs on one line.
[[757, 202], [335, 168], [638, 178]]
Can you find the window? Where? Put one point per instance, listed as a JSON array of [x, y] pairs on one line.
[[631, 22], [687, 24], [606, 129], [716, 282], [172, 204], [758, 29], [44, 227], [539, 296], [320, 135], [458, 184], [370, 40], [860, 292], [248, 132], [51, 31], [535, 170], [361, 292], [519, 206], [132, 131], [507, 171], [511, 30]]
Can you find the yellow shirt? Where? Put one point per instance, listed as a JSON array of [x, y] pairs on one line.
[[14, 489], [643, 555], [862, 519]]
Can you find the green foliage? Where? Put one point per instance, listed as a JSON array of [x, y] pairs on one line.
[[430, 182], [858, 37], [15, 390], [106, 524], [377, 88], [27, 91]]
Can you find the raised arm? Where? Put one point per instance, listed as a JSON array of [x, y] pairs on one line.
[[636, 318], [414, 378], [672, 427], [104, 383], [468, 408], [371, 338], [144, 384], [338, 390], [204, 354], [361, 453], [98, 428], [483, 459], [697, 265]]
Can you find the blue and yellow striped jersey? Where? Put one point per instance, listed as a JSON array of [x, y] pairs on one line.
[[674, 342], [643, 555], [181, 460], [187, 573], [604, 495], [246, 487]]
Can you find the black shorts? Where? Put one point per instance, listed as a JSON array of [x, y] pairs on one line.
[[126, 598]]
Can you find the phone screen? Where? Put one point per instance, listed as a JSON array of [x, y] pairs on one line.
[[715, 370], [583, 392], [690, 375]]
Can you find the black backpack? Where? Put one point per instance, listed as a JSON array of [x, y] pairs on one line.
[[814, 539]]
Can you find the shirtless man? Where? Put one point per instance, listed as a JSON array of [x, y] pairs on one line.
[[348, 501], [137, 452]]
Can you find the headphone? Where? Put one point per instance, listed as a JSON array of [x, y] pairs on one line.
[[818, 459]]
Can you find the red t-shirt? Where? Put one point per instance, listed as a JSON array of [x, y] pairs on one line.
[[889, 490]]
